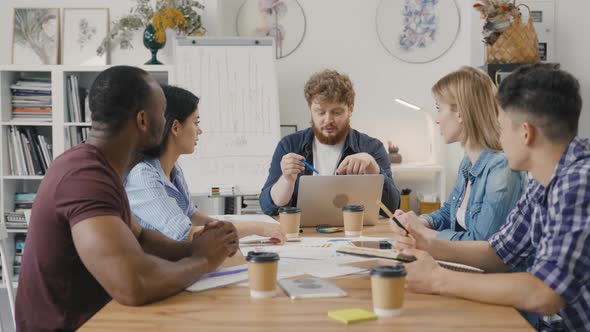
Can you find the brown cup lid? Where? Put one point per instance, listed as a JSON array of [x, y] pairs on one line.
[[388, 271], [289, 210], [262, 257], [353, 208]]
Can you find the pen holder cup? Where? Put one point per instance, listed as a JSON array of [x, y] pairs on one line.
[[404, 203], [428, 207]]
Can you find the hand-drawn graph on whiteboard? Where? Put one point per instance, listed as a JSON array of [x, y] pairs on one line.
[[235, 79]]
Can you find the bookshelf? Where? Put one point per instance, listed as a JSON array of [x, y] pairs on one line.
[[57, 131]]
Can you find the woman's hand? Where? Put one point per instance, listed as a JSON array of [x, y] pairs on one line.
[[273, 231]]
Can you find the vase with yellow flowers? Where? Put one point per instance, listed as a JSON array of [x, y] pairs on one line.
[[178, 15]]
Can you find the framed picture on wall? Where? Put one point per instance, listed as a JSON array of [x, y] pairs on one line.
[[283, 20], [418, 31], [83, 31], [35, 36]]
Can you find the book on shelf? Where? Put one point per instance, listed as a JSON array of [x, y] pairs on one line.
[[31, 99], [29, 152], [24, 197], [76, 101], [17, 225], [76, 135], [19, 243]]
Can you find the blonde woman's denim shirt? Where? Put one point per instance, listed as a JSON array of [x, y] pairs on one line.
[[495, 189]]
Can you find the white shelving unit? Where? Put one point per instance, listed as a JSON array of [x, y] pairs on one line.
[[436, 169], [55, 129]]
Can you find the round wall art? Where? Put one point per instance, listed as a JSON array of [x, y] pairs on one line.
[[418, 31], [284, 20]]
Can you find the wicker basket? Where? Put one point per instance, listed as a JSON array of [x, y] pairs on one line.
[[518, 44]]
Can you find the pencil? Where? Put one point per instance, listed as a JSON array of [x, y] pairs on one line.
[[392, 217]]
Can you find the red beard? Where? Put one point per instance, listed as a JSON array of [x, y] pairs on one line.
[[330, 140]]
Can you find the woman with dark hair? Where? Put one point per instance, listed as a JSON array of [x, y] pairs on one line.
[[157, 191]]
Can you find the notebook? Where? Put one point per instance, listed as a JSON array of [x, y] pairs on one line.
[[348, 316], [396, 255], [310, 288]]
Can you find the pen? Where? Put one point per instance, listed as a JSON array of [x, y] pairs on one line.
[[225, 273], [400, 225], [310, 167], [392, 217], [266, 241]]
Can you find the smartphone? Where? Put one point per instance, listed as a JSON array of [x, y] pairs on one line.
[[310, 288], [373, 244], [329, 230]]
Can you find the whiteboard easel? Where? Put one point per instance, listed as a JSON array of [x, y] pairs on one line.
[[235, 79]]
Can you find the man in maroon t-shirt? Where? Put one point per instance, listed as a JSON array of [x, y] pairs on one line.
[[84, 247]]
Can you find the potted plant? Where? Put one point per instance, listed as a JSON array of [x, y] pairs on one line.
[[179, 15]]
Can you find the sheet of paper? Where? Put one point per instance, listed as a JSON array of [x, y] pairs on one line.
[[323, 247], [222, 277], [330, 271], [238, 218]]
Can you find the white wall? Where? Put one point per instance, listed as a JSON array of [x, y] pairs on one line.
[[573, 49], [341, 34]]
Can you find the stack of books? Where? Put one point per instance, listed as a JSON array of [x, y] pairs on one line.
[[23, 203], [31, 99], [15, 220], [29, 153], [77, 106]]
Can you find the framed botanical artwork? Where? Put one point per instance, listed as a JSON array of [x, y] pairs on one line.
[[35, 36], [418, 31], [83, 31], [283, 20]]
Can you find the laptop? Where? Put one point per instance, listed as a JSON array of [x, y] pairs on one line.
[[321, 198]]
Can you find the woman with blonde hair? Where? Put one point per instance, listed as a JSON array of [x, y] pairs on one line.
[[486, 189]]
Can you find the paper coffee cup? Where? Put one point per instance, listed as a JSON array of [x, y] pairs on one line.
[[353, 216], [262, 274], [387, 287], [290, 218]]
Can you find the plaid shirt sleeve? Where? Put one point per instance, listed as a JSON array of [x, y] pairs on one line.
[[512, 242], [563, 256]]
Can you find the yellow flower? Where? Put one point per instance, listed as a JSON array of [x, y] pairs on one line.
[[167, 18]]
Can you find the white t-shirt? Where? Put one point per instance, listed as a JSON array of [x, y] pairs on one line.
[[326, 157], [463, 207]]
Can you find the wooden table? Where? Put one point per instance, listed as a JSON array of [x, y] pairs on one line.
[[231, 309]]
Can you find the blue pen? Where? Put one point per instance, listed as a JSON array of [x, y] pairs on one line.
[[310, 167], [225, 273]]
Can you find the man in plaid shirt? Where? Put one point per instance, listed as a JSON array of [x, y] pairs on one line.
[[550, 226]]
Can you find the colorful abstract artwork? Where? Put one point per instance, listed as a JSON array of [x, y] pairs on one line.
[[419, 24], [417, 31]]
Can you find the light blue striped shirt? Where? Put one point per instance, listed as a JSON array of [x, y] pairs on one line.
[[158, 203]]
